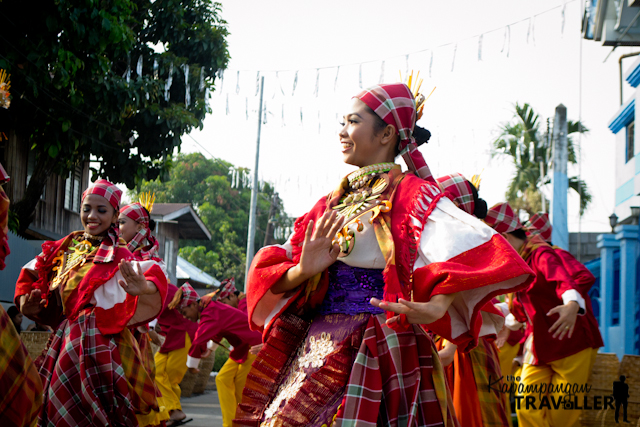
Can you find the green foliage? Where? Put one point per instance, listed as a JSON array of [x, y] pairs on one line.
[[206, 183], [69, 62], [531, 153], [222, 354]]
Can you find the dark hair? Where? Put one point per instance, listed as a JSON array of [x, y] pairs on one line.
[[519, 233], [13, 311], [421, 135], [480, 210], [237, 293], [152, 223]]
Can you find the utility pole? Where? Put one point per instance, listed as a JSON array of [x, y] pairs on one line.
[[254, 194], [270, 222], [560, 235]]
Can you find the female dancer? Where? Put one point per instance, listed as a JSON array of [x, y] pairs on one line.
[[561, 345], [332, 354], [135, 226], [474, 376], [84, 287]]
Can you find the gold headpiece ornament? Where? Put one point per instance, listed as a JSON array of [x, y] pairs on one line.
[[414, 87], [5, 85], [475, 180], [147, 200]]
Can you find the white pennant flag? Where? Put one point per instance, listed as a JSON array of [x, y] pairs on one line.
[[139, 66], [453, 61], [381, 79], [315, 92], [480, 47], [187, 92], [167, 85], [335, 83], [238, 82], [295, 83]]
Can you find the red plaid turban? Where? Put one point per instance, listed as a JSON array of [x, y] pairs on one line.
[[102, 187], [227, 288], [394, 103], [459, 189], [502, 218], [189, 295], [540, 224], [138, 213]]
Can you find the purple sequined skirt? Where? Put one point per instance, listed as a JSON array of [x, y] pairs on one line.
[[351, 289]]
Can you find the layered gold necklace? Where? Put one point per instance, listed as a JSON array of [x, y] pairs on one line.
[[65, 262]]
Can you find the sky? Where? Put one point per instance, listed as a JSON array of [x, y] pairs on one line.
[[529, 52]]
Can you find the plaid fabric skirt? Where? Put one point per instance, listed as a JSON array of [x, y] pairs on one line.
[[92, 379], [345, 371], [20, 385]]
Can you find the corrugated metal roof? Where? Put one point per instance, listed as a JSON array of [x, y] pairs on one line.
[[187, 271]]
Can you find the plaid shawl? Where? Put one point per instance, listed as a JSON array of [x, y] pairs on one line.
[[394, 103], [540, 224], [459, 191], [502, 218], [137, 213], [21, 387], [94, 379]]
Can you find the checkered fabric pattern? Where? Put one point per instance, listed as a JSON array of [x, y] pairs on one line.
[[486, 369], [540, 224], [93, 379], [106, 189], [102, 187], [459, 189], [502, 218], [394, 103], [20, 383], [137, 213], [227, 287], [189, 295]]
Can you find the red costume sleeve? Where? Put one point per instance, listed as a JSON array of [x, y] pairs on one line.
[[580, 274], [548, 263]]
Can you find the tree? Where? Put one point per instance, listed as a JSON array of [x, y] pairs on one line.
[[531, 152], [107, 81], [221, 196]]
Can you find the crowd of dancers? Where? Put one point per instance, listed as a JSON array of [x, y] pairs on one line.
[[399, 300]]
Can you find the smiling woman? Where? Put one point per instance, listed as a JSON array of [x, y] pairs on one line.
[[340, 304], [84, 287]]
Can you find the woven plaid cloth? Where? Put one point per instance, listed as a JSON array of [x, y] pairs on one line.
[[486, 369], [21, 387], [459, 189], [227, 287], [189, 295], [540, 224], [395, 381], [93, 379], [502, 218], [394, 103]]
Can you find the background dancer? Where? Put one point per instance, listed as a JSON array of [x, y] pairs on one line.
[[561, 347], [135, 226], [91, 298], [322, 298], [218, 321], [471, 374]]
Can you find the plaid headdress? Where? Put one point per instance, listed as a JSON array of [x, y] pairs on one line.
[[540, 224], [104, 188], [395, 104], [227, 288], [459, 191], [184, 297], [502, 218], [137, 213]]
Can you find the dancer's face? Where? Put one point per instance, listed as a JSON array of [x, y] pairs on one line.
[[128, 227], [97, 215], [191, 312], [361, 144]]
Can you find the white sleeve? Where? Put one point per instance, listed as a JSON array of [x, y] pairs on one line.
[[192, 362], [573, 295]]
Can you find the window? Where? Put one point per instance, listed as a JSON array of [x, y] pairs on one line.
[[630, 141], [73, 189], [31, 167]]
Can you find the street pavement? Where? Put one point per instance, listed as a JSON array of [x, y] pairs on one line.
[[203, 408]]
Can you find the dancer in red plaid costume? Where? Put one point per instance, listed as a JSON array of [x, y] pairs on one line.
[[470, 373], [561, 344], [341, 303], [85, 288]]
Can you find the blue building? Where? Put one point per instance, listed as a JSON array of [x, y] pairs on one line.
[[616, 294]]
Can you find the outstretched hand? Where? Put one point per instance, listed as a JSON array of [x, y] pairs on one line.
[[421, 313], [502, 337], [32, 304], [318, 249], [566, 323], [134, 282]]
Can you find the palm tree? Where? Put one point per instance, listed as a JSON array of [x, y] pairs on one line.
[[530, 151]]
